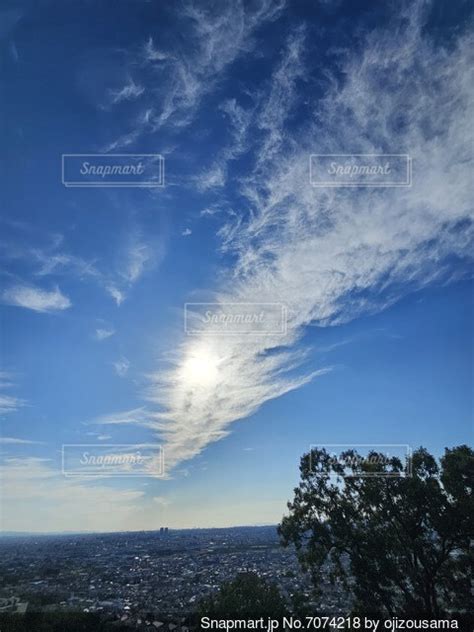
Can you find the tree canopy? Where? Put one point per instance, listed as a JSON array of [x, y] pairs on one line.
[[401, 544], [246, 596]]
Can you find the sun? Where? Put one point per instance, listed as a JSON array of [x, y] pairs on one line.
[[200, 367]]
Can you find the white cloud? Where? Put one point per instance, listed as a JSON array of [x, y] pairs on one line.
[[53, 262], [210, 211], [186, 232], [103, 334], [121, 366], [138, 416], [36, 487], [281, 97], [8, 403], [162, 501], [116, 294], [129, 92], [134, 255], [33, 486], [214, 38], [151, 53], [331, 255], [214, 177], [137, 256], [36, 299], [46, 259], [269, 111], [99, 436], [16, 441], [240, 119]]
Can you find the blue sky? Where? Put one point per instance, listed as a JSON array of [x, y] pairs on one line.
[[236, 96]]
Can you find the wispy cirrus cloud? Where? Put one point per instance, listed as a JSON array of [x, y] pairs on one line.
[[103, 333], [281, 97], [35, 486], [135, 257], [218, 35], [8, 403], [50, 258], [215, 37], [137, 416], [332, 254], [163, 501], [99, 436], [36, 299], [240, 119], [118, 295], [121, 366], [151, 53], [128, 92], [117, 274], [17, 441]]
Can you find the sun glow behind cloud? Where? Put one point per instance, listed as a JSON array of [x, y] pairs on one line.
[[200, 367]]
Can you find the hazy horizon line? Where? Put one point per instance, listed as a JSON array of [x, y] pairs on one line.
[[6, 534]]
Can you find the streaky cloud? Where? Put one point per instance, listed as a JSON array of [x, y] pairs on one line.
[[331, 255], [36, 299]]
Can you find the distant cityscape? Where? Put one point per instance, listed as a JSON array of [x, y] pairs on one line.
[[143, 578]]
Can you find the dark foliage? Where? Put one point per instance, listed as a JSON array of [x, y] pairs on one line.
[[400, 545], [246, 596]]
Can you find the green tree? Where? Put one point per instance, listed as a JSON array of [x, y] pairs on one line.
[[246, 596], [402, 545]]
